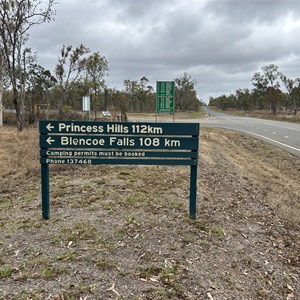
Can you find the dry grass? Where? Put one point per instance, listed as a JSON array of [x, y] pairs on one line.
[[19, 160], [263, 165], [178, 115], [19, 155], [267, 114], [123, 232]]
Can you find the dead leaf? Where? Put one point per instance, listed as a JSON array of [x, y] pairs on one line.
[[210, 296], [290, 287], [112, 289], [154, 278], [270, 282]]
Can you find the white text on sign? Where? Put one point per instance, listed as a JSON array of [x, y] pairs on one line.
[[109, 128], [119, 141]]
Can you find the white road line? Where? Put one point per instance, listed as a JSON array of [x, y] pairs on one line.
[[282, 144], [280, 126], [287, 137]]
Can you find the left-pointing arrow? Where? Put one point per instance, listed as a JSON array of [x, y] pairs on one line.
[[49, 127], [50, 141]]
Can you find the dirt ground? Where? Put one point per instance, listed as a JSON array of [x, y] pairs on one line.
[[123, 232]]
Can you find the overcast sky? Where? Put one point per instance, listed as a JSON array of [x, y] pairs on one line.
[[220, 43]]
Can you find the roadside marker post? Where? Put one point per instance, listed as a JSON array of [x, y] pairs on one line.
[[118, 143]]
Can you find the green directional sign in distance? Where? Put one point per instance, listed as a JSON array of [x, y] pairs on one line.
[[165, 93]]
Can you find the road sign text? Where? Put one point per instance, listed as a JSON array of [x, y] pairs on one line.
[[71, 142]]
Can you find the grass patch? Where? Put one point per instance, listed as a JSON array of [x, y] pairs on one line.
[[218, 231], [69, 256], [6, 271], [106, 264]]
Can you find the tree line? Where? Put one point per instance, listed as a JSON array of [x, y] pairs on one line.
[[30, 89], [272, 90]]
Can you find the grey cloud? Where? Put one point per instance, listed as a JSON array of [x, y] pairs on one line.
[[220, 43], [242, 11]]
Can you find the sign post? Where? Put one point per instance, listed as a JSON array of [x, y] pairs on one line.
[[87, 142], [45, 191], [86, 106]]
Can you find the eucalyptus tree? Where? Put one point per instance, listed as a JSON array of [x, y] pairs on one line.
[[260, 84], [118, 102], [185, 93], [293, 92], [130, 89], [267, 85], [17, 17], [71, 64], [145, 95], [140, 94], [243, 99], [39, 82], [96, 67]]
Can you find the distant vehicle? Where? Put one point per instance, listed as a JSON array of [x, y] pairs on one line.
[[106, 114]]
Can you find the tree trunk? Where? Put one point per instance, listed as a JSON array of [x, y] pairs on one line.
[[19, 116], [21, 100], [61, 103], [274, 109], [295, 106], [1, 106], [1, 92]]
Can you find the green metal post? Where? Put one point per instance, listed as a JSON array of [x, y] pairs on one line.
[[45, 192], [193, 191]]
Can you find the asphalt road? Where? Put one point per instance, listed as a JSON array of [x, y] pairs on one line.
[[285, 135]]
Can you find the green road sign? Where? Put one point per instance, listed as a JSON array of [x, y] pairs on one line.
[[113, 128], [124, 143], [165, 93], [117, 142]]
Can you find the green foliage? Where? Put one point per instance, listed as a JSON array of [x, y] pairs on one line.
[[266, 93], [16, 18], [48, 272], [6, 272], [139, 95], [218, 231], [96, 68], [106, 264], [185, 94], [70, 64]]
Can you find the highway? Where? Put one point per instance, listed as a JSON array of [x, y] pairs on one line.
[[285, 135]]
